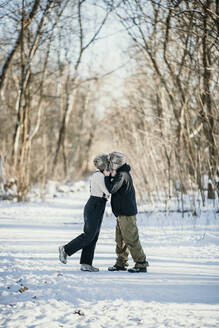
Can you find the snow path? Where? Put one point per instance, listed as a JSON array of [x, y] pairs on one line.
[[181, 288]]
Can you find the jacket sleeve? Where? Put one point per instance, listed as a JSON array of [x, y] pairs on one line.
[[114, 185]]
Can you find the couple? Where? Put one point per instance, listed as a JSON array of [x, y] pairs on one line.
[[112, 177]]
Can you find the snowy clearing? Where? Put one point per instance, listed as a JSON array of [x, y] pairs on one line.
[[181, 288]]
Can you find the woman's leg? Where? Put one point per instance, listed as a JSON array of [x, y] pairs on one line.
[[84, 239], [93, 214], [90, 230], [87, 253]]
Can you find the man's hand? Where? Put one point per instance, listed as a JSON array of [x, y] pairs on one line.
[[106, 173]]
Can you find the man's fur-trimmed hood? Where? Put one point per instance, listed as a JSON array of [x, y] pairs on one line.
[[116, 160]]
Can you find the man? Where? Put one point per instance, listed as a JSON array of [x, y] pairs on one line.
[[124, 207]]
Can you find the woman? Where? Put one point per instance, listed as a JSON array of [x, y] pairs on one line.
[[93, 216]]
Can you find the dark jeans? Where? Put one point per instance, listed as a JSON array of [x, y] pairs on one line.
[[93, 216]]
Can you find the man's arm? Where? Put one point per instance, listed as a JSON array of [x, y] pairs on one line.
[[114, 185]]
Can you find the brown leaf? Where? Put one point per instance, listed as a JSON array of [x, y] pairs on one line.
[[23, 289]]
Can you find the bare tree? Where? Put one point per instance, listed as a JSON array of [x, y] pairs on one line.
[[72, 81], [25, 22], [174, 47], [41, 68]]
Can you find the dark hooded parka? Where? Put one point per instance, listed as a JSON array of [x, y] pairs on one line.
[[123, 200]]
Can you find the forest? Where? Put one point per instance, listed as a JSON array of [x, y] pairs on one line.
[[80, 78], [63, 99]]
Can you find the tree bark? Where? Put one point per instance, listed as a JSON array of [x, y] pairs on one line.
[[207, 110], [25, 24]]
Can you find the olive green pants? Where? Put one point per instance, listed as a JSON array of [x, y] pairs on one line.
[[127, 240]]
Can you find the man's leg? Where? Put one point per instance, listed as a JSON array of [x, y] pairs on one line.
[[121, 248], [129, 232]]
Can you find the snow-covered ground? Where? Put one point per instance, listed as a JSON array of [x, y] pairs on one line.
[[181, 288]]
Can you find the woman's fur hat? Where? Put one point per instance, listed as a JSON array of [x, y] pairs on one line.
[[116, 160], [101, 162]]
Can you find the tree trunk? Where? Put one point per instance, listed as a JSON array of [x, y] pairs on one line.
[[207, 111], [26, 23], [2, 177]]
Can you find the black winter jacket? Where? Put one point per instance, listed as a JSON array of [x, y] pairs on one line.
[[121, 187]]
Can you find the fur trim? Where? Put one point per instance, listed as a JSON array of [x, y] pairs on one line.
[[101, 162], [116, 160]]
